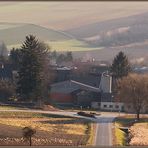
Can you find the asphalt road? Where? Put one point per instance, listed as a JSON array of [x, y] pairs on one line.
[[103, 136]]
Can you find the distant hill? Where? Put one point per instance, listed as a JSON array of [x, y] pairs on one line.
[[129, 34], [14, 33], [115, 32]]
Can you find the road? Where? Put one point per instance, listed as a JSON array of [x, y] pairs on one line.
[[103, 135]]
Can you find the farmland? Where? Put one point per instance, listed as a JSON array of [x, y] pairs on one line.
[[63, 46], [50, 129]]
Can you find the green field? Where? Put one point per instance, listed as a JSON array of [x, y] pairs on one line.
[[66, 45]]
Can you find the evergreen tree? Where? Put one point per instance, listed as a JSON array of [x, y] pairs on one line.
[[120, 66], [28, 68], [69, 56], [15, 58], [33, 71]]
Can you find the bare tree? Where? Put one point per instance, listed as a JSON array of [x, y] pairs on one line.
[[28, 132], [133, 90]]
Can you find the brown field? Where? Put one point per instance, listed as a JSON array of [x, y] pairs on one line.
[[49, 130]]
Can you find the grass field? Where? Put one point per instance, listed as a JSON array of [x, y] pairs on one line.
[[130, 121], [51, 129], [66, 45]]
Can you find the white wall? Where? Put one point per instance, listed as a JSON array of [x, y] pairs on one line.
[[109, 106]]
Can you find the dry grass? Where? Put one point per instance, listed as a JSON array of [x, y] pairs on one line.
[[56, 130], [139, 134], [45, 125], [138, 130], [120, 136]]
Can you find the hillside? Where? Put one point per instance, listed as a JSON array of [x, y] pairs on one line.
[[14, 33], [115, 32], [129, 34]]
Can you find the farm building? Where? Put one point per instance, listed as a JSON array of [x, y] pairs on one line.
[[82, 92]]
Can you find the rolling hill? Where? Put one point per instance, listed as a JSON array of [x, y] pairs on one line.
[[129, 34], [121, 31], [14, 33]]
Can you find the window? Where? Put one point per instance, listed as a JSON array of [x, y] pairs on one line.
[[105, 106], [110, 106]]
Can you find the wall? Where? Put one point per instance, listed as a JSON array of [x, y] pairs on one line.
[[61, 98], [108, 106]]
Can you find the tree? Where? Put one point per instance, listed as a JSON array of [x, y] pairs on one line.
[[120, 66], [60, 58], [28, 132], [7, 90], [45, 74], [28, 68], [33, 71], [69, 56], [133, 90], [15, 57]]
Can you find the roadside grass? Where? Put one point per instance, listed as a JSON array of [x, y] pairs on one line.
[[126, 121], [90, 132], [120, 136]]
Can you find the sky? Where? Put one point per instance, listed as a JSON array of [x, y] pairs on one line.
[[67, 15]]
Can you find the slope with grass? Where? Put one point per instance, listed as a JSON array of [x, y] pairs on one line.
[[14, 33]]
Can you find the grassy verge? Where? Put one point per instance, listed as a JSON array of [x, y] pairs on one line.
[[91, 127], [120, 136]]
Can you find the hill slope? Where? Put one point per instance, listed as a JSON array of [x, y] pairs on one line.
[[13, 34], [115, 32]]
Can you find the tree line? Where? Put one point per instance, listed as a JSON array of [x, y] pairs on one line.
[[129, 88]]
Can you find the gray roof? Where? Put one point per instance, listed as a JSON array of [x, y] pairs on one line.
[[71, 86]]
